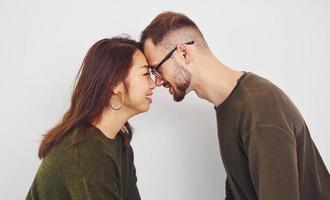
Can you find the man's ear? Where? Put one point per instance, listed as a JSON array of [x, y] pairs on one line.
[[184, 50]]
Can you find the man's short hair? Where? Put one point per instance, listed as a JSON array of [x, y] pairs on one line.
[[168, 23]]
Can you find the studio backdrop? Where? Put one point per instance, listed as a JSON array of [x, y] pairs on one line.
[[177, 157]]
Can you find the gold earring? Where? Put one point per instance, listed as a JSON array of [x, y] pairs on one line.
[[121, 103]]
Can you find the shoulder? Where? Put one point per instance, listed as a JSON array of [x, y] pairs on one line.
[[256, 88], [95, 158], [263, 107], [94, 145], [267, 102], [259, 90]]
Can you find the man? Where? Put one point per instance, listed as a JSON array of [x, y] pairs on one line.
[[265, 144]]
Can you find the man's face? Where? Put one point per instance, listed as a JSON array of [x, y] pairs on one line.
[[172, 73]]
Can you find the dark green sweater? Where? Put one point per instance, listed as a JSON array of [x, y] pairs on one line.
[[266, 147], [97, 168]]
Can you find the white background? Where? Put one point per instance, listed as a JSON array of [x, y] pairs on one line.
[[42, 44]]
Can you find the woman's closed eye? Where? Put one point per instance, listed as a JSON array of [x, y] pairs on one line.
[[147, 72]]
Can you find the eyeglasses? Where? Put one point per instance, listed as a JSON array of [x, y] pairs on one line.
[[155, 70]]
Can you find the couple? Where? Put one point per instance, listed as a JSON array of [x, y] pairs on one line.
[[265, 145]]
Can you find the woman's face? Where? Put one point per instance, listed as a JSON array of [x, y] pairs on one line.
[[139, 84]]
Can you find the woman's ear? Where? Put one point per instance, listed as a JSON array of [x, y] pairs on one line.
[[185, 52], [119, 88]]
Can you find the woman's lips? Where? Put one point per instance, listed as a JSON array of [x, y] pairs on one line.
[[149, 97]]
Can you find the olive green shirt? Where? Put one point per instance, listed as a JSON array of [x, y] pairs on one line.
[[266, 147], [96, 168]]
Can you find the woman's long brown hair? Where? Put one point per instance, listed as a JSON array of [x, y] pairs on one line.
[[106, 64]]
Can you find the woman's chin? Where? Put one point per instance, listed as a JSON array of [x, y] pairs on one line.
[[143, 108], [146, 108]]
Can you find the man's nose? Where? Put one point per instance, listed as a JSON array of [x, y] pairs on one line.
[[159, 81]]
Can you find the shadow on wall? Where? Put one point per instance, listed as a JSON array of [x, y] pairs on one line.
[[176, 149]]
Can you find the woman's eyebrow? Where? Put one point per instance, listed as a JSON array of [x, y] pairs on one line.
[[152, 66], [145, 66]]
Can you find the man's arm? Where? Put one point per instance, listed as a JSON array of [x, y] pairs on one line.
[[229, 193], [272, 155]]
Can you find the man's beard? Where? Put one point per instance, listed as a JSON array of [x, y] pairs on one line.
[[182, 81]]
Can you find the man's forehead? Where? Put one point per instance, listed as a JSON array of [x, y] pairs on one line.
[[151, 52]]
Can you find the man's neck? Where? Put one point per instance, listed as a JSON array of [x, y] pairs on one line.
[[214, 82]]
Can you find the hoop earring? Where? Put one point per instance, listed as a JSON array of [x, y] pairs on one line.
[[121, 103]]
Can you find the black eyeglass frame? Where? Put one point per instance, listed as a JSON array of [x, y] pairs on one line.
[[155, 70]]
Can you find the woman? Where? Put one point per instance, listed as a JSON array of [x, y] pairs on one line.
[[88, 154]]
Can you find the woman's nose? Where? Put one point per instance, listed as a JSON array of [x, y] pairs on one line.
[[152, 84]]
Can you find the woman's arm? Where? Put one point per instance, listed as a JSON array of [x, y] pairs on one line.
[[133, 192]]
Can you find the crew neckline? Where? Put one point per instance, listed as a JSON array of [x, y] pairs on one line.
[[233, 92], [98, 131]]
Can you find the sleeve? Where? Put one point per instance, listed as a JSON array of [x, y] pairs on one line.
[[32, 194], [133, 192], [99, 174], [272, 156], [229, 193]]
